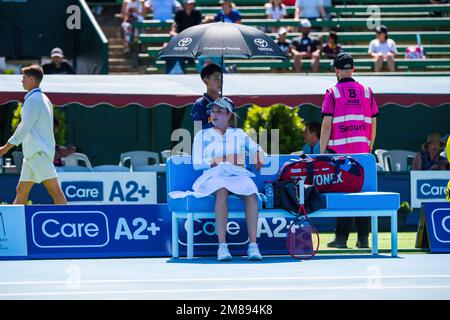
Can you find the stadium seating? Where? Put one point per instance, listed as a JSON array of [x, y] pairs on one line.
[[404, 18], [369, 203], [344, 23]]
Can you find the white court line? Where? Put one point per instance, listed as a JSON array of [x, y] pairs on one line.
[[418, 276], [159, 291]]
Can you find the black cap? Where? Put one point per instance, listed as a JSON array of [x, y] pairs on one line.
[[343, 61], [382, 29]]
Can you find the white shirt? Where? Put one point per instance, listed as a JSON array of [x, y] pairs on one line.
[[376, 46], [276, 12], [35, 131], [310, 8], [208, 144]]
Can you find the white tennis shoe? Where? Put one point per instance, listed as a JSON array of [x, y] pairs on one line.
[[253, 252], [223, 254]]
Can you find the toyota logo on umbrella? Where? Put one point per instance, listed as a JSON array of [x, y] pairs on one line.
[[261, 43], [185, 42]]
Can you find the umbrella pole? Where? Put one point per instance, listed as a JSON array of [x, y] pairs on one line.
[[221, 63], [221, 80]]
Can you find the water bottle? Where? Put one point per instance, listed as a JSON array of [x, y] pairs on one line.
[[268, 191]]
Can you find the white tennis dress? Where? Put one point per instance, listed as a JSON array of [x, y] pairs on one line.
[[209, 144]]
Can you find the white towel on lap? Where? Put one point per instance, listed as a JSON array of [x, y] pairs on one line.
[[225, 175]]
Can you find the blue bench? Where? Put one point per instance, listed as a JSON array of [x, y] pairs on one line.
[[367, 203]]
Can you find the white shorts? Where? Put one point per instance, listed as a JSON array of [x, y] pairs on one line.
[[38, 168]]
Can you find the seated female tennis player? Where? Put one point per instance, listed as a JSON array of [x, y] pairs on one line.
[[220, 152]]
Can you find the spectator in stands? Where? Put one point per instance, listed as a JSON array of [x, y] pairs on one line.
[[306, 47], [353, 134], [383, 49], [283, 42], [135, 8], [128, 31], [58, 65], [309, 9], [61, 151], [211, 76], [275, 9], [220, 152], [228, 12], [184, 19], [440, 14], [311, 136], [332, 47], [162, 9], [428, 158]]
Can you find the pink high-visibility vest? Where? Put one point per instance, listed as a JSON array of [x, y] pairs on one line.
[[352, 107]]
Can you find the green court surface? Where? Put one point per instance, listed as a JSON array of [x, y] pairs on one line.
[[406, 242]]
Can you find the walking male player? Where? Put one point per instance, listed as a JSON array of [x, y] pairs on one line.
[[349, 125], [35, 132]]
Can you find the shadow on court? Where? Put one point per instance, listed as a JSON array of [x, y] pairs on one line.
[[279, 259]]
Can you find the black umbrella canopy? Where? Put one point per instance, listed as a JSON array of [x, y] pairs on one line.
[[222, 39]]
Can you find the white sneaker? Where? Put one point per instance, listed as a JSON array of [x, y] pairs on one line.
[[223, 254], [253, 252]]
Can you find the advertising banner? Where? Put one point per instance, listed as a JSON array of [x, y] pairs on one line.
[[438, 225], [13, 237], [98, 231], [428, 186], [109, 187]]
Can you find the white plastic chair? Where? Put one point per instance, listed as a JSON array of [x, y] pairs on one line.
[[75, 169], [74, 159], [380, 161], [397, 160], [138, 158], [110, 168], [166, 154], [150, 168]]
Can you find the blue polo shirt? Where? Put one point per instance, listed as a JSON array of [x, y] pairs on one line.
[[307, 149], [199, 111], [232, 17]]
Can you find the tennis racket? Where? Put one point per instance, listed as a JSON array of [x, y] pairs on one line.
[[302, 240]]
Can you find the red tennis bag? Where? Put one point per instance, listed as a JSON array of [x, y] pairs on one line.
[[327, 173]]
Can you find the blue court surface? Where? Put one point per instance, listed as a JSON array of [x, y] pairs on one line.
[[350, 276]]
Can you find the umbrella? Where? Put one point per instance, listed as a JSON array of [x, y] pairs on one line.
[[221, 39]]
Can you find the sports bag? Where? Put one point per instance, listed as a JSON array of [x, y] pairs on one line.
[[286, 197], [328, 173]]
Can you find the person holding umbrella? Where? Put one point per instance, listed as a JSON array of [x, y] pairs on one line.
[[220, 152], [211, 76]]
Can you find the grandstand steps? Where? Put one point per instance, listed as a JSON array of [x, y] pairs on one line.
[[120, 63], [121, 69]]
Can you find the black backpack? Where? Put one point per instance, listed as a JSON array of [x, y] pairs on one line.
[[286, 197]]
